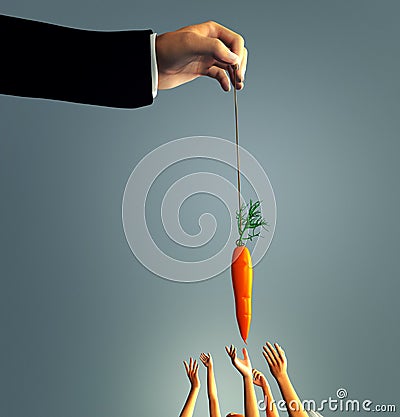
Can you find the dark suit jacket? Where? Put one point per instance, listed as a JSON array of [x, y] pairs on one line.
[[82, 66]]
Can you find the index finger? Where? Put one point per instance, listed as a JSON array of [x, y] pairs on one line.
[[233, 40]]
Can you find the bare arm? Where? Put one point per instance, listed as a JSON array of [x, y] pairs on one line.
[[278, 366], [192, 373], [245, 369], [270, 406], [213, 403]]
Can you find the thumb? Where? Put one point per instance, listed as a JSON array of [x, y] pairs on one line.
[[245, 354], [217, 49]]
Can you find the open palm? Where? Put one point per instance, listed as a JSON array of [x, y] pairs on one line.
[[206, 359], [192, 371], [242, 365]]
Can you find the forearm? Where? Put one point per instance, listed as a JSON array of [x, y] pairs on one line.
[[188, 408], [250, 399], [270, 406], [292, 400], [212, 393]]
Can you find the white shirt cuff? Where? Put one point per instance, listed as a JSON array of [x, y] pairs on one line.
[[154, 71]]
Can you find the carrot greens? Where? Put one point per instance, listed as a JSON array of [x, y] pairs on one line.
[[250, 222]]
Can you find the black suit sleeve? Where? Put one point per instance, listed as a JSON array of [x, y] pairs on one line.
[[92, 67]]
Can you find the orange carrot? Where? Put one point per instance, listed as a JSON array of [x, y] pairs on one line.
[[250, 221], [242, 282]]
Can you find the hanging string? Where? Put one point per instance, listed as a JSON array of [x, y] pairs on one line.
[[235, 68]]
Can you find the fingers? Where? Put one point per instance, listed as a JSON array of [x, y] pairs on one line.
[[231, 39], [191, 367], [220, 75], [220, 51], [269, 356], [281, 352], [204, 359], [235, 77], [242, 69], [186, 367], [235, 43], [274, 353], [231, 351], [270, 364], [245, 354]]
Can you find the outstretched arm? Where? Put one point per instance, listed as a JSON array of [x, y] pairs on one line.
[[245, 369], [213, 403], [270, 406], [277, 363], [192, 373]]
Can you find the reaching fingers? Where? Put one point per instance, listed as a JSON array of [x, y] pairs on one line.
[[231, 351], [186, 367], [281, 352], [270, 364], [204, 359], [274, 353], [270, 355], [245, 354], [220, 75]]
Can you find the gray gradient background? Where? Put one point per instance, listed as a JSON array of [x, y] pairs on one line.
[[87, 331]]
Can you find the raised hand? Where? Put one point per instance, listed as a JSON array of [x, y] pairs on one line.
[[276, 359], [206, 359], [259, 379], [242, 365], [192, 369], [277, 363]]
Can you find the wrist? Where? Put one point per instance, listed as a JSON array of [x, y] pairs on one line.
[[266, 388], [248, 377], [282, 379]]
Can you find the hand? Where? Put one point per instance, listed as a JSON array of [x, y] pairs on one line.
[[259, 379], [192, 372], [276, 359], [204, 49], [242, 365], [206, 360]]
